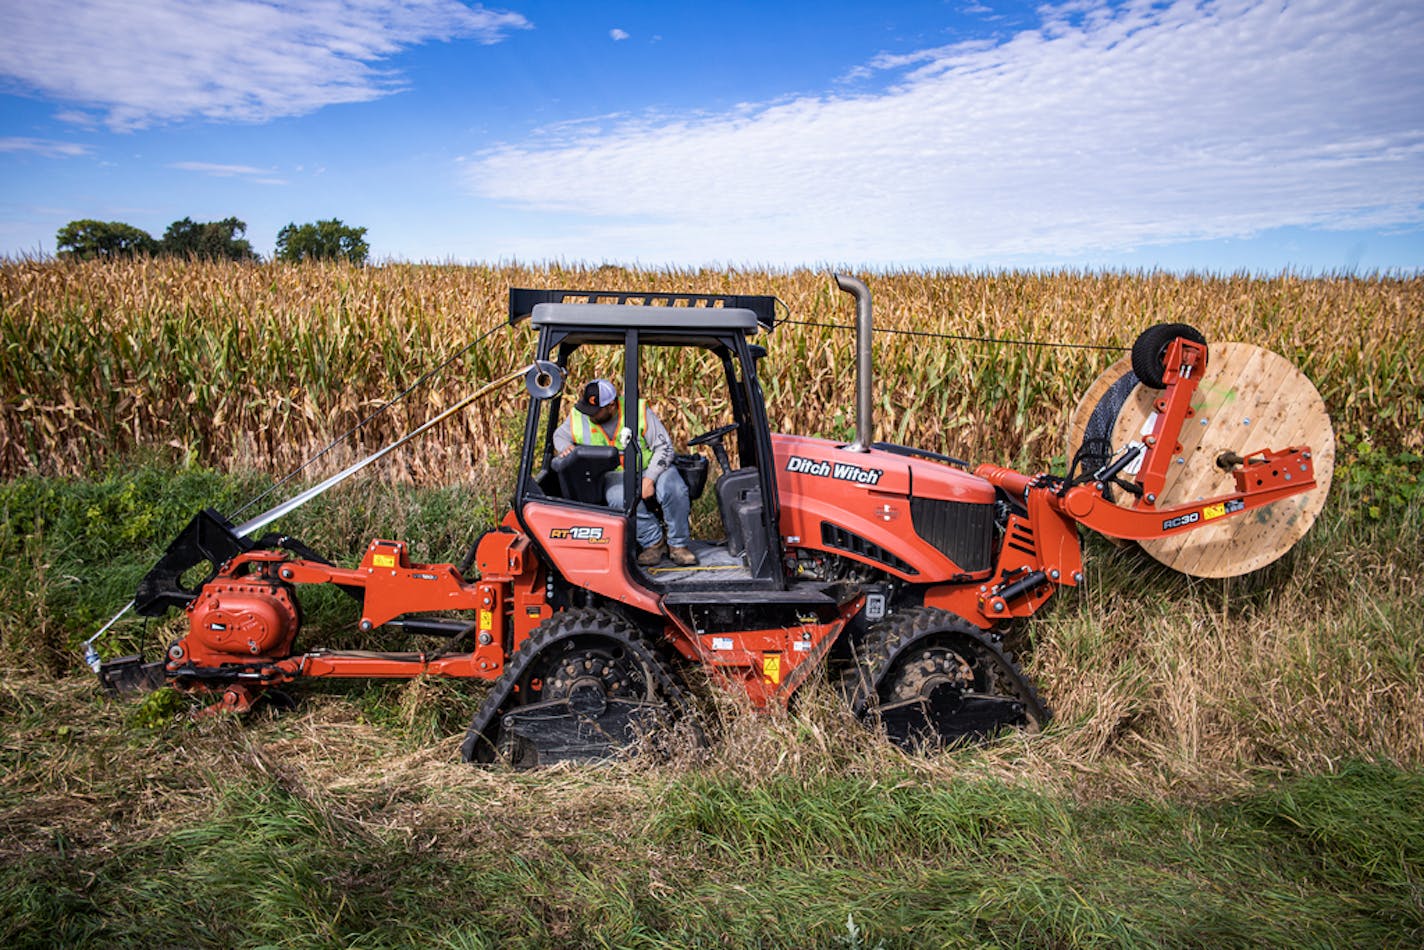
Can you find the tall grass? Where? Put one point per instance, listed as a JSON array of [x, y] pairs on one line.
[[257, 366], [1156, 680]]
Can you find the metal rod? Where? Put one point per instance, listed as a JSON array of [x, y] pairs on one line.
[[864, 379], [91, 654], [292, 504]]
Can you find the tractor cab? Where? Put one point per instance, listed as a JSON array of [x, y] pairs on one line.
[[647, 344]]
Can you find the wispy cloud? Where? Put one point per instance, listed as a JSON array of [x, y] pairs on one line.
[[47, 148], [1111, 126], [219, 171], [618, 34], [259, 176], [75, 117], [243, 60]]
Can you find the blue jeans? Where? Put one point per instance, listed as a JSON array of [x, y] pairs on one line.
[[671, 492]]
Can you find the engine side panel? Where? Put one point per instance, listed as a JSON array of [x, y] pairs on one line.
[[917, 519]]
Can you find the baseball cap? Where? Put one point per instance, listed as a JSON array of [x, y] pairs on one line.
[[597, 394]]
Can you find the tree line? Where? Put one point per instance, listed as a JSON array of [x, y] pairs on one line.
[[223, 240]]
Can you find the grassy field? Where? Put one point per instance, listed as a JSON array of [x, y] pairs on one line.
[[1231, 764]]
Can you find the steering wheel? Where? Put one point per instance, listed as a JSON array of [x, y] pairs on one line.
[[716, 435], [714, 439]]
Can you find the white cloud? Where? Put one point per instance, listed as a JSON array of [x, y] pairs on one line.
[[618, 34], [1109, 127], [244, 60], [260, 176], [47, 148], [217, 170], [75, 117]]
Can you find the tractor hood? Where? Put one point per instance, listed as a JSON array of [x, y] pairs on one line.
[[917, 518]]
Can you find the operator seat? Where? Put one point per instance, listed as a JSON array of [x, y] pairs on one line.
[[581, 472]]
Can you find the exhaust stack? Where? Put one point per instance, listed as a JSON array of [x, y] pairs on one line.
[[864, 378]]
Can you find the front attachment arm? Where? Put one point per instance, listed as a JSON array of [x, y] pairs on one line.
[[1041, 551], [1261, 478], [1183, 366]]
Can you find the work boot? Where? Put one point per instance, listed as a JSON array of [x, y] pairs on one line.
[[652, 555], [683, 557]]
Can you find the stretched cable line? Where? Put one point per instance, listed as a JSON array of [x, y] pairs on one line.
[[362, 424], [482, 337], [961, 336]]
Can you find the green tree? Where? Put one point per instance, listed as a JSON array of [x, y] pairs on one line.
[[208, 240], [322, 241], [87, 239]]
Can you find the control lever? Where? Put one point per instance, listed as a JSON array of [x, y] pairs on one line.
[[1108, 472]]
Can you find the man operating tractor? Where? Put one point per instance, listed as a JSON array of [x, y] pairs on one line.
[[595, 422]]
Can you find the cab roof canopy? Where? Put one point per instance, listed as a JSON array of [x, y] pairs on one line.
[[645, 310]]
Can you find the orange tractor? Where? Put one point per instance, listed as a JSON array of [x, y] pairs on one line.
[[894, 569]]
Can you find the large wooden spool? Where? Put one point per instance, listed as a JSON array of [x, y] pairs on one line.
[[1249, 399]]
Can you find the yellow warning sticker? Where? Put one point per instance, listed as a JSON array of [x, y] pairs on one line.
[[771, 667], [1213, 511], [383, 560], [486, 620]]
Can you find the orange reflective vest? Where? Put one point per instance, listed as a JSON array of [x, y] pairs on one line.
[[586, 432]]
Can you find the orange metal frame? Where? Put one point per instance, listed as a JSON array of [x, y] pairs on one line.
[[768, 665], [508, 601]]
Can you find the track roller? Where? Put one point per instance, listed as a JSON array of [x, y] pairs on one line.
[[584, 687], [932, 679]]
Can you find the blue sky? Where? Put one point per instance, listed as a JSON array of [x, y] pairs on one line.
[[1222, 136]]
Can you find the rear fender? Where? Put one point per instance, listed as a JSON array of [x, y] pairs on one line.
[[590, 548]]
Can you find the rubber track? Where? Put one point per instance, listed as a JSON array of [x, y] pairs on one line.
[[575, 622], [889, 640]]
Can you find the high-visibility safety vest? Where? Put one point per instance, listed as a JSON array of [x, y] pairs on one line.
[[586, 432]]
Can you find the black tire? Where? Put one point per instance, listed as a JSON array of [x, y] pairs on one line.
[[1150, 350], [922, 647]]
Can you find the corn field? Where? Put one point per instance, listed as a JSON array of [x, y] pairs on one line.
[[257, 367]]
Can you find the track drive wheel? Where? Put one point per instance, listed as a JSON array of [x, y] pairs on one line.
[[932, 679], [584, 687]]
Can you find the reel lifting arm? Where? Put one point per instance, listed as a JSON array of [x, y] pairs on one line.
[[1046, 552], [1261, 477]]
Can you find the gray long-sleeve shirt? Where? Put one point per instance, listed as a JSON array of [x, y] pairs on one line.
[[659, 441]]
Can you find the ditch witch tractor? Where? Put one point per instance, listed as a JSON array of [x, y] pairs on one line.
[[894, 569]]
